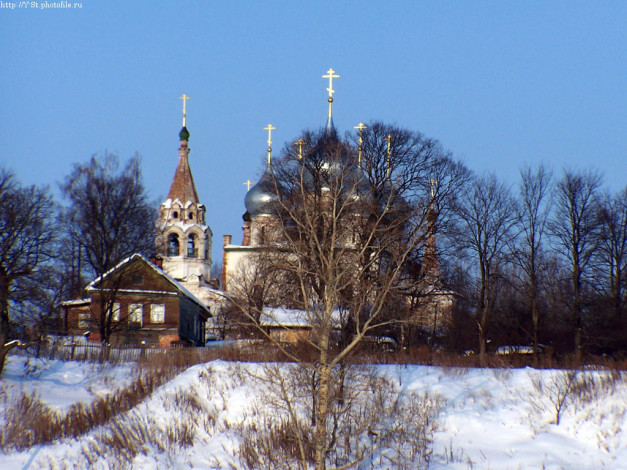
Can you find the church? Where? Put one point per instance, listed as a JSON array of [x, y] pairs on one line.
[[184, 240], [183, 244]]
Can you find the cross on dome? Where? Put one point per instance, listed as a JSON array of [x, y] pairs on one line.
[[184, 98], [331, 75], [361, 126], [269, 128], [300, 143]]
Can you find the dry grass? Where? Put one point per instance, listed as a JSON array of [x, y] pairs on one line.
[[369, 422], [29, 421]]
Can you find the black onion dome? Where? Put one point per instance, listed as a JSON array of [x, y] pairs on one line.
[[262, 198]]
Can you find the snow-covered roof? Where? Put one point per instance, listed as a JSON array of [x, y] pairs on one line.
[[168, 203], [292, 318], [186, 226], [92, 285], [69, 303]]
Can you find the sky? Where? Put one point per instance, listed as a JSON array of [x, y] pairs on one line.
[[501, 84]]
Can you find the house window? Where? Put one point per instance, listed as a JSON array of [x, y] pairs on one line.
[[84, 319], [137, 279], [192, 251], [173, 244], [135, 313], [157, 313], [115, 312]]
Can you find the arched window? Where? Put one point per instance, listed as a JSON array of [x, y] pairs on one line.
[[192, 250], [173, 244], [175, 215], [191, 216]]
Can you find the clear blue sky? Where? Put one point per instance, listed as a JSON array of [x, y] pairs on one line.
[[500, 84]]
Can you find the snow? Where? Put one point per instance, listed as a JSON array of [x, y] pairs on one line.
[[285, 317], [59, 384], [491, 418]]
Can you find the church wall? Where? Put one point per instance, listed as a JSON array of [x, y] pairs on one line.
[[236, 259]]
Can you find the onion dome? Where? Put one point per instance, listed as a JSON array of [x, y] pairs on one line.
[[262, 198], [184, 134]]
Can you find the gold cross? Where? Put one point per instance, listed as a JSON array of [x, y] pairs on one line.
[[184, 98], [330, 75], [248, 184], [434, 184], [300, 143], [389, 141], [361, 126], [269, 128]]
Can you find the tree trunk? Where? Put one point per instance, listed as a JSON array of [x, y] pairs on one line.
[[576, 314], [3, 352], [534, 316], [4, 317], [320, 435]]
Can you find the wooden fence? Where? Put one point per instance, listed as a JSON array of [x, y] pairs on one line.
[[94, 352]]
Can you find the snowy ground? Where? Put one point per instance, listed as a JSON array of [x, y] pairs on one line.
[[491, 418]]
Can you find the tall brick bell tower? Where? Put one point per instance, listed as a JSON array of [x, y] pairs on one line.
[[184, 240]]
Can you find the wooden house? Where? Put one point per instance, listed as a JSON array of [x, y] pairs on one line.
[[146, 305]]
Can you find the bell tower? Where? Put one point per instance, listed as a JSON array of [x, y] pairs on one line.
[[184, 240]]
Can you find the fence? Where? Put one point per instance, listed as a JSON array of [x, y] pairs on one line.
[[92, 352]]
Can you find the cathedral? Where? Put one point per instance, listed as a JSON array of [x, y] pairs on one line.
[[185, 240], [169, 300]]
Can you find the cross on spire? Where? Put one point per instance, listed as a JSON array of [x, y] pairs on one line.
[[361, 126], [300, 143], [389, 141], [248, 184], [434, 184], [269, 128], [331, 75], [184, 98]]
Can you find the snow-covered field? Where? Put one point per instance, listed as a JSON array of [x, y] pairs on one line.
[[490, 418]]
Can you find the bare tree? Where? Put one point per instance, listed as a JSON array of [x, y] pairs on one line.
[[488, 217], [533, 213], [342, 252], [26, 241], [613, 248], [575, 227], [109, 219]]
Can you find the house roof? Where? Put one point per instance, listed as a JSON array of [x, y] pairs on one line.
[[137, 256], [292, 318], [76, 302]]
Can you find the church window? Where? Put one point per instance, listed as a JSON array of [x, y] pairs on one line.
[[192, 250], [175, 215], [191, 216], [135, 313], [157, 313], [173, 244]]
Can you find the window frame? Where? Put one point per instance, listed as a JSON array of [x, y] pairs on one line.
[[153, 309], [135, 311]]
